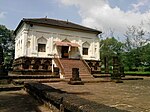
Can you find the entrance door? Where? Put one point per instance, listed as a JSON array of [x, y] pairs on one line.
[[64, 52]]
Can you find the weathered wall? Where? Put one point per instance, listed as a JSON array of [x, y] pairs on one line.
[[26, 41]]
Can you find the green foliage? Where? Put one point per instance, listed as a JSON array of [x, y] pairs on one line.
[[7, 43], [136, 52], [111, 47], [132, 59]]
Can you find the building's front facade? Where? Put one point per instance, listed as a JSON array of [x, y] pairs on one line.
[[45, 39]]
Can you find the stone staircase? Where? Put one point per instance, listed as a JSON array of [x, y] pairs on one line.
[[68, 64]]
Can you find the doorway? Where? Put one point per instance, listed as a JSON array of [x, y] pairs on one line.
[[64, 52]]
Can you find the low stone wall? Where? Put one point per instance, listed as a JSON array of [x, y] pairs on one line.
[[60, 101]]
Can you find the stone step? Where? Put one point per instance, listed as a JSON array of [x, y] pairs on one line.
[[70, 72], [22, 81], [32, 76], [81, 76]]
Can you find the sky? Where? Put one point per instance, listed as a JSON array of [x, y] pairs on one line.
[[103, 15]]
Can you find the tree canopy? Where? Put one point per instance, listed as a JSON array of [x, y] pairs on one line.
[[7, 43], [133, 52], [111, 47]]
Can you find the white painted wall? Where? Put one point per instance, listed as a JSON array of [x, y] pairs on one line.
[[28, 34]]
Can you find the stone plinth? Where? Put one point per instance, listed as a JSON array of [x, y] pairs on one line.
[[116, 76], [32, 66], [75, 80]]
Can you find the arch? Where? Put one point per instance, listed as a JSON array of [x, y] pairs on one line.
[[46, 65], [86, 45], [42, 40], [37, 65], [26, 65]]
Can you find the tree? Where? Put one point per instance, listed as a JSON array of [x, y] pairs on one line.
[[7, 41], [135, 40], [135, 37], [111, 47]]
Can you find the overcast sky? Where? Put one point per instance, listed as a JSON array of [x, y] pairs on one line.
[[103, 15]]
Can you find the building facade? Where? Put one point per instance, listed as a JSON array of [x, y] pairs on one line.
[[39, 41]]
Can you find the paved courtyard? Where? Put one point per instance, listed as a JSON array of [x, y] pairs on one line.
[[132, 95]]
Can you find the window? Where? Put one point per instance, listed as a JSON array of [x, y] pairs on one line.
[[42, 44], [85, 48], [85, 51], [41, 47]]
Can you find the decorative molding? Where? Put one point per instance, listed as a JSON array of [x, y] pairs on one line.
[[44, 32], [86, 37]]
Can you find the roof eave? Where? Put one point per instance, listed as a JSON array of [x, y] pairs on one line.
[[37, 23], [21, 22]]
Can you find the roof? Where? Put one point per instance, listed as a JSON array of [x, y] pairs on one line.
[[55, 23], [67, 44]]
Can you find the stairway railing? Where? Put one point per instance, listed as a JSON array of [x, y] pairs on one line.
[[88, 67], [58, 63]]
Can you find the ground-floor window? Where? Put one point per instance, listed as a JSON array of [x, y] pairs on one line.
[[41, 47]]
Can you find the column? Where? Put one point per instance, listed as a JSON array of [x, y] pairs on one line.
[[48, 49], [35, 45], [51, 45], [32, 45], [80, 48], [93, 49], [24, 43]]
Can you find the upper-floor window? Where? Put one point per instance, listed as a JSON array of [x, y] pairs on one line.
[[85, 51], [41, 47], [85, 48], [42, 44]]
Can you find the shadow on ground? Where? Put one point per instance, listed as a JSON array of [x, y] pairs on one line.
[[18, 101]]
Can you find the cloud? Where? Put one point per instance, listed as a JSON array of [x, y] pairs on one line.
[[2, 14], [99, 14], [141, 3]]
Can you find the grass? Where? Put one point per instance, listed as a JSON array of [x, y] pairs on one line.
[[134, 73], [131, 72]]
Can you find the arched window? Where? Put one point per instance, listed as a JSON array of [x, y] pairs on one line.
[[42, 44], [85, 48]]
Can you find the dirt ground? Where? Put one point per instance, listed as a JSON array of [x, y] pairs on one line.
[[19, 101], [132, 95]]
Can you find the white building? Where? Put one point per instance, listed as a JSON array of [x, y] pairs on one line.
[[41, 43]]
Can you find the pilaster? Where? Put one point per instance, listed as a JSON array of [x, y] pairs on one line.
[[24, 43]]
